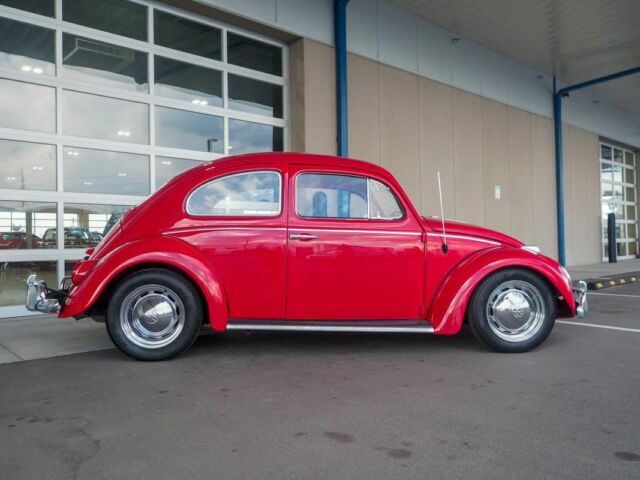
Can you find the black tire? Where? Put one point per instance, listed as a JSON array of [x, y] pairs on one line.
[[170, 289], [486, 320]]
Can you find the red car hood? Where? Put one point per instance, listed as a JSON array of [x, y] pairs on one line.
[[460, 228]]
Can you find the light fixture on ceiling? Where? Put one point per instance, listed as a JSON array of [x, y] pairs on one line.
[[37, 70], [26, 68], [11, 179], [165, 162], [124, 133], [73, 153], [38, 167], [455, 39], [197, 101], [88, 183], [122, 174]]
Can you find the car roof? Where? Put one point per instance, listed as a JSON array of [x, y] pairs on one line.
[[280, 159]]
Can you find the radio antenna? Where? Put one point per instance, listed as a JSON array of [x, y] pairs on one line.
[[445, 247]]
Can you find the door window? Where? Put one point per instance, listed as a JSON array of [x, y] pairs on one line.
[[321, 195]]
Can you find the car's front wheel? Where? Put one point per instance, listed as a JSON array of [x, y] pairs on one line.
[[512, 311], [154, 314]]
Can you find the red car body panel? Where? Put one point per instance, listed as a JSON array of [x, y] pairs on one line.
[[250, 268]]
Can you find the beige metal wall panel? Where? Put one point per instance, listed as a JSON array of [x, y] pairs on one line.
[[320, 98], [495, 150], [467, 157], [296, 93], [582, 197], [521, 174], [436, 147], [364, 109], [399, 132], [544, 185]]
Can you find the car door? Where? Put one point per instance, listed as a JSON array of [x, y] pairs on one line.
[[354, 251]]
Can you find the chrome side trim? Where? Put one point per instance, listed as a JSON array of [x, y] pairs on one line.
[[341, 230], [302, 327], [210, 228], [465, 237]]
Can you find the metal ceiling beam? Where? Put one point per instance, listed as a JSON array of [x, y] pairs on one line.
[[558, 95]]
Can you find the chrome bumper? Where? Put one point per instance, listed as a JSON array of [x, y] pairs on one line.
[[580, 297], [42, 299]]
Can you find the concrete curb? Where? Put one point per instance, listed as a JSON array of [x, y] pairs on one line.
[[612, 280]]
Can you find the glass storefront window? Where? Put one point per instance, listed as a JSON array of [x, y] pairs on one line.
[[249, 53], [26, 225], [27, 166], [179, 33], [114, 16], [189, 130], [86, 225], [41, 7], [27, 48], [168, 167], [255, 96], [101, 171], [13, 275], [250, 137], [27, 106], [184, 81], [86, 115], [104, 63]]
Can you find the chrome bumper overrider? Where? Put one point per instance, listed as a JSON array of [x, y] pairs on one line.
[[580, 297], [42, 299]]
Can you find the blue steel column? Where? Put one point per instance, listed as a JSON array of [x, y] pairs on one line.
[[340, 36], [557, 123]]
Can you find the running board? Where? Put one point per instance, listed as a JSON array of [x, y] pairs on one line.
[[368, 327]]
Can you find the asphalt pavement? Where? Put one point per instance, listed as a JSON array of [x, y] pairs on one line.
[[337, 406]]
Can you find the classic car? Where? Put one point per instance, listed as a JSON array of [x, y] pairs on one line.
[[299, 242], [19, 240]]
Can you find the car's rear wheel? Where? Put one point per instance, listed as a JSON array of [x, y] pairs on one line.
[[154, 314], [512, 311]]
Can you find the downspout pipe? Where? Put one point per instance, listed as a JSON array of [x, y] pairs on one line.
[[340, 37], [558, 95]]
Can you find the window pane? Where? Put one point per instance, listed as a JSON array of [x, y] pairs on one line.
[[383, 204], [617, 155], [629, 177], [189, 130], [86, 225], [633, 248], [167, 168], [630, 194], [606, 174], [251, 194], [27, 48], [253, 54], [254, 96], [630, 212], [27, 225], [27, 166], [27, 106], [104, 63], [41, 7], [248, 137], [628, 158], [100, 171], [13, 275], [184, 81], [605, 152], [617, 173], [632, 231], [114, 16], [187, 36], [119, 120], [331, 196]]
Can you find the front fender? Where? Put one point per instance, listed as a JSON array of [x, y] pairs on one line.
[[450, 301], [161, 250]]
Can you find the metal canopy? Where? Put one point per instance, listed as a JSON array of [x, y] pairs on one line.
[[575, 40]]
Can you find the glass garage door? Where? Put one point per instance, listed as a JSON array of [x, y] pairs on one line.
[[101, 103], [618, 190]]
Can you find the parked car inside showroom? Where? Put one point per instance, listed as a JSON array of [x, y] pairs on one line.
[[300, 242]]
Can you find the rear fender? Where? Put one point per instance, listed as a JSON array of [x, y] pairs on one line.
[[449, 306], [159, 250]]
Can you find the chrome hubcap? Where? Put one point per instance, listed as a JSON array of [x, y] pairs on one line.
[[152, 316], [515, 311]]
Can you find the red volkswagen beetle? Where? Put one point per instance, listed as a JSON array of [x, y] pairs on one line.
[[286, 241]]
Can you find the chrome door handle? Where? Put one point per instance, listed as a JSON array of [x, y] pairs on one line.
[[302, 236]]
